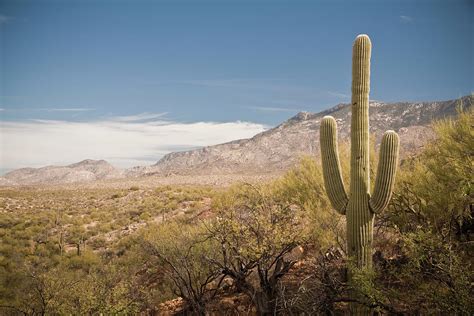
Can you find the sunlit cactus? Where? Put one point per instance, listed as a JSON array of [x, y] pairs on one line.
[[359, 207]]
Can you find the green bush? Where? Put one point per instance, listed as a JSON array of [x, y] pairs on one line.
[[180, 255], [303, 186], [429, 225], [256, 234]]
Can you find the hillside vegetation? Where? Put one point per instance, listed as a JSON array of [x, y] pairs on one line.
[[274, 247]]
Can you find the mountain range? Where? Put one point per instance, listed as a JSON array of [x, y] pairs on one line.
[[274, 150]]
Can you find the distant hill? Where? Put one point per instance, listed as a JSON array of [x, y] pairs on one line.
[[86, 170], [274, 150]]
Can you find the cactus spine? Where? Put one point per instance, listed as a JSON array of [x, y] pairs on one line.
[[359, 207]]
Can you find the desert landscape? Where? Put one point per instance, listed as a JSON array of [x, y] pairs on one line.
[[78, 232], [360, 207]]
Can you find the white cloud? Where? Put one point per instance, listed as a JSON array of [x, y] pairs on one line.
[[138, 117], [38, 143], [406, 19], [47, 109], [66, 109]]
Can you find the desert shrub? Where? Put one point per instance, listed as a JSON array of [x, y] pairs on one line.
[[426, 276], [303, 186], [424, 265], [35, 290], [107, 290], [145, 216], [97, 242], [321, 290], [256, 235], [179, 257], [41, 239], [69, 285], [85, 262], [436, 189], [116, 195], [447, 285]]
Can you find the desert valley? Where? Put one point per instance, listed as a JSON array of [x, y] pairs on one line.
[[233, 157], [77, 237]]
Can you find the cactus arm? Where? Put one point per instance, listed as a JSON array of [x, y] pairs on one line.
[[331, 165], [385, 172]]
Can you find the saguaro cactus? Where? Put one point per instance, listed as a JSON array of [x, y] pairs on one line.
[[359, 207]]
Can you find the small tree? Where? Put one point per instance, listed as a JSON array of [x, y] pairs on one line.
[[256, 235], [36, 290], [181, 255]]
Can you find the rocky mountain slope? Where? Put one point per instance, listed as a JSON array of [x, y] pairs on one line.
[[272, 151], [86, 170], [279, 148]]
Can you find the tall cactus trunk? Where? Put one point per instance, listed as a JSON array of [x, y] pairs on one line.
[[359, 217], [359, 207]]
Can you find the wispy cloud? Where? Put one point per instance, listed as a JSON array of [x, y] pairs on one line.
[[138, 117], [271, 109], [338, 94], [38, 143], [2, 109], [30, 109], [66, 109], [406, 19], [4, 19], [227, 83]]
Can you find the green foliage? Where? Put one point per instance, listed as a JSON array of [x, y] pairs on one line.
[[146, 246], [436, 189], [303, 186], [256, 233], [448, 286], [182, 253], [430, 223], [41, 231], [249, 220]]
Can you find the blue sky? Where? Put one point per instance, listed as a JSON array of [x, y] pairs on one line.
[[216, 62]]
